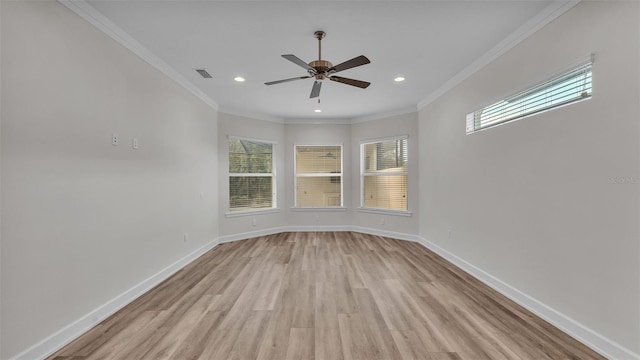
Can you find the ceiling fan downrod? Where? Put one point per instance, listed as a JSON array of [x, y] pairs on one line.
[[320, 66], [319, 35]]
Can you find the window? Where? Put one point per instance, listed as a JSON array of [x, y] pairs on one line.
[[318, 171], [251, 175], [569, 87], [384, 174]]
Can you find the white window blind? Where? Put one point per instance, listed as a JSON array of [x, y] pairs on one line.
[[384, 174], [574, 85], [318, 172], [251, 175]]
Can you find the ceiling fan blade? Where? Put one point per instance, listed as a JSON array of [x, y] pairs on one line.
[[315, 90], [352, 82], [296, 60], [356, 61], [286, 80]]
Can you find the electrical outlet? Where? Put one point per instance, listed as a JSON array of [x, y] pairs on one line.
[[382, 221], [253, 222], [114, 139], [185, 237], [135, 144]]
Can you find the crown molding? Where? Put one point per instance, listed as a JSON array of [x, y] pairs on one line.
[[95, 18], [317, 121], [547, 15], [385, 114], [251, 115]]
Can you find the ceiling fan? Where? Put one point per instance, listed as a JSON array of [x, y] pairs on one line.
[[323, 69]]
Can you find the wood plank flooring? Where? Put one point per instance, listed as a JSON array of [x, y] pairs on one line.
[[324, 296]]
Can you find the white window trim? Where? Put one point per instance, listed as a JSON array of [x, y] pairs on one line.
[[233, 137], [240, 213], [384, 211], [322, 209], [560, 71], [295, 179], [274, 192]]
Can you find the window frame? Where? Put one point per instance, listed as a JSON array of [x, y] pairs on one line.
[[474, 125], [296, 175], [387, 211], [273, 174]]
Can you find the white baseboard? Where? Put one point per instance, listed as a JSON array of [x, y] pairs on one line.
[[606, 347], [317, 228], [385, 233], [590, 338], [67, 334], [276, 230], [250, 234]]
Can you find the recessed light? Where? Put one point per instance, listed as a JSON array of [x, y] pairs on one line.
[[399, 79], [317, 110], [238, 79]]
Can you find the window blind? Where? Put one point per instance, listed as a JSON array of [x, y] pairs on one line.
[[569, 87], [251, 175], [384, 174], [318, 172]]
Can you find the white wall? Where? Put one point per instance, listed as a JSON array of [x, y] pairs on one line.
[[82, 220], [538, 203], [1, 180], [406, 124], [242, 226]]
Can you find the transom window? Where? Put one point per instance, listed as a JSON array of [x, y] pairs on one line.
[[251, 175], [571, 86], [384, 173], [318, 172]]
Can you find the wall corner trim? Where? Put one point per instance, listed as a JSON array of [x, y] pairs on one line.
[[590, 338], [544, 17], [95, 18], [70, 332]]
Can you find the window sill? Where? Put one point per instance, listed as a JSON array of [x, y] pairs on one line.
[[386, 211], [250, 212], [307, 209]]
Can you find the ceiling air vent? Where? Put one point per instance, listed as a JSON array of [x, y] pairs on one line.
[[204, 73]]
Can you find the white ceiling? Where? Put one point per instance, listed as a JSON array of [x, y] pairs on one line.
[[427, 42]]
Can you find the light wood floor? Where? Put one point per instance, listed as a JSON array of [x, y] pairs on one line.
[[326, 296]]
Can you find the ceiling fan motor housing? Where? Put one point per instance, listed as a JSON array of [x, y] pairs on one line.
[[321, 66]]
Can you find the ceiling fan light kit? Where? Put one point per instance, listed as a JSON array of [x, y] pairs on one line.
[[323, 69]]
